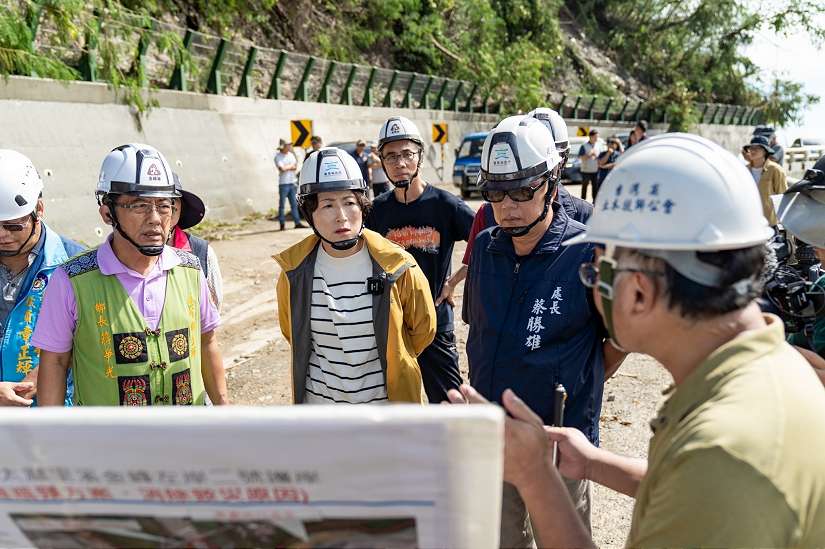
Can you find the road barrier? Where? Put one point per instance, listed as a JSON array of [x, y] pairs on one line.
[[239, 67], [799, 159]]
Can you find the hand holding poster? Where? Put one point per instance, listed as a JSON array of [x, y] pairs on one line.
[[346, 476]]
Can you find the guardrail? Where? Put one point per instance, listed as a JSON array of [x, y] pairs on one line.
[[799, 159], [226, 67]]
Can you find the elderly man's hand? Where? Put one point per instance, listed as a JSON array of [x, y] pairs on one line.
[[575, 451], [526, 446]]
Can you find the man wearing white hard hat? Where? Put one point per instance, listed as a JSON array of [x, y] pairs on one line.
[[575, 207], [427, 222], [131, 318], [736, 454], [29, 253], [533, 325], [801, 212], [355, 309]]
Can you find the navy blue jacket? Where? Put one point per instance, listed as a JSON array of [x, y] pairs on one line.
[[533, 324]]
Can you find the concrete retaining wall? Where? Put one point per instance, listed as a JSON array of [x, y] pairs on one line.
[[221, 146]]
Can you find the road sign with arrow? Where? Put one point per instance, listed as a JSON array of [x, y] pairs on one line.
[[301, 131], [440, 134]]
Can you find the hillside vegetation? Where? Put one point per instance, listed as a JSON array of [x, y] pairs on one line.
[[670, 52]]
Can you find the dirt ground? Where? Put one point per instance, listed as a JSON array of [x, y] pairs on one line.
[[257, 358]]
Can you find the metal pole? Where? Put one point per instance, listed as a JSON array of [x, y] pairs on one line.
[[590, 108], [576, 107], [323, 97], [624, 108], [606, 115], [388, 96], [180, 78], [454, 101], [214, 84], [406, 103], [468, 106], [143, 47], [367, 101], [275, 86], [425, 99], [88, 60], [247, 86], [439, 99], [301, 93], [346, 93]]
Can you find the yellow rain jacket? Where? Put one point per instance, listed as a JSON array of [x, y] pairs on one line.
[[403, 313]]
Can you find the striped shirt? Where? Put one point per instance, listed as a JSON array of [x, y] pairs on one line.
[[343, 366]]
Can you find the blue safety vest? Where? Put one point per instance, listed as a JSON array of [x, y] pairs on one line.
[[532, 324], [17, 356]]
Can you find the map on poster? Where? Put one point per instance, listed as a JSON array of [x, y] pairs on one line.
[[307, 476]]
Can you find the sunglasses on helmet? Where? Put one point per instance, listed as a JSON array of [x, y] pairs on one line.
[[521, 194]]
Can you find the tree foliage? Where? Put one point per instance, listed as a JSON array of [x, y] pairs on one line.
[[686, 50], [510, 47], [786, 102], [681, 51]]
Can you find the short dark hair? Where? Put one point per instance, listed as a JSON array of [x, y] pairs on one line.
[[642, 124], [309, 203], [698, 301]]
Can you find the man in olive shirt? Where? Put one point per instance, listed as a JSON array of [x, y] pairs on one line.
[[736, 458]]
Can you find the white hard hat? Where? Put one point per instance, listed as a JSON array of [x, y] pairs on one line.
[[136, 169], [677, 192], [330, 169], [20, 185], [398, 128], [516, 152], [556, 124], [802, 209]]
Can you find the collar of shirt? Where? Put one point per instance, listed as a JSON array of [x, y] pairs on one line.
[[110, 265], [549, 243], [700, 383]]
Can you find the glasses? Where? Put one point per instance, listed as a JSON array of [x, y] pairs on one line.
[[393, 158], [164, 209], [603, 274], [522, 194], [15, 226]]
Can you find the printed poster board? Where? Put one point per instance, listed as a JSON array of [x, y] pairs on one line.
[[305, 476]]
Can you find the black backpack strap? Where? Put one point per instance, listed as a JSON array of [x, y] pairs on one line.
[[199, 250]]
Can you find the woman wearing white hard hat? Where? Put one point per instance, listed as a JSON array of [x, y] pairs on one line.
[[132, 318], [29, 253], [682, 226], [355, 308]]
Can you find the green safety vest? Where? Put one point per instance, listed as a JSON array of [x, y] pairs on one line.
[[117, 359]]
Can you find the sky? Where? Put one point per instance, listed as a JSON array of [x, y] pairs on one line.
[[795, 57]]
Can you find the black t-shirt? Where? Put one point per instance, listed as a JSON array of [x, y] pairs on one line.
[[427, 228]]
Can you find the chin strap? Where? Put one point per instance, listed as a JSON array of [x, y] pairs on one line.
[[24, 244], [404, 183], [341, 245], [150, 251]]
